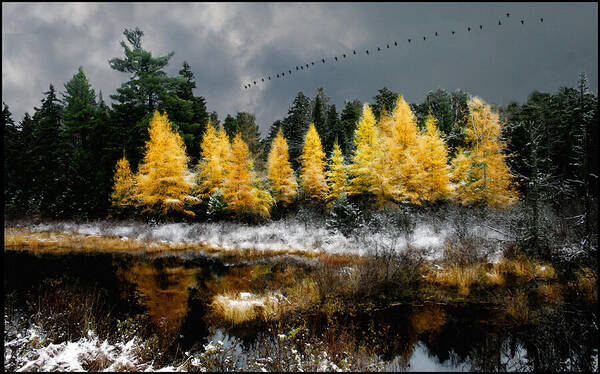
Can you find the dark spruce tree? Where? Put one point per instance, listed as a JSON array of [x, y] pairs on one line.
[[231, 126], [191, 123], [384, 99], [49, 163], [295, 126], [336, 130], [319, 117], [247, 126], [349, 118], [79, 122], [13, 148]]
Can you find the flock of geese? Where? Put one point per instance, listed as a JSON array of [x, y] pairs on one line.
[[354, 52]]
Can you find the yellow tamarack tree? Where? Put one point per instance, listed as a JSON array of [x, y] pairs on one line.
[[385, 123], [369, 170], [163, 181], [433, 179], [241, 192], [279, 171], [123, 195], [337, 174], [313, 164], [214, 161], [402, 160], [366, 142], [479, 172]]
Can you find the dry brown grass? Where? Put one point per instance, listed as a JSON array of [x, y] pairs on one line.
[[238, 308], [517, 306], [456, 276]]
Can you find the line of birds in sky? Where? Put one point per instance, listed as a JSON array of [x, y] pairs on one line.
[[354, 52]]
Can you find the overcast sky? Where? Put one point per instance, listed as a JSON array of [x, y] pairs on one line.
[[229, 45]]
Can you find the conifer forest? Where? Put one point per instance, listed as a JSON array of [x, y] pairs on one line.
[[145, 231]]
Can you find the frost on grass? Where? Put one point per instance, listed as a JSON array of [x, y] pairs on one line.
[[429, 233]]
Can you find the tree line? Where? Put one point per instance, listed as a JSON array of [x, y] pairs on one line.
[[60, 161]]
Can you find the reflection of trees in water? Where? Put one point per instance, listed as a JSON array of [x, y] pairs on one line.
[[556, 340], [164, 290]]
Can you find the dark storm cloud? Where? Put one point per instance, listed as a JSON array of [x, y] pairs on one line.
[[230, 45]]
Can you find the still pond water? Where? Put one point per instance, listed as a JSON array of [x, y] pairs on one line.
[[411, 338]]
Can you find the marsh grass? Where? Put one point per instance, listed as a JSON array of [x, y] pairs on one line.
[[517, 306], [234, 309]]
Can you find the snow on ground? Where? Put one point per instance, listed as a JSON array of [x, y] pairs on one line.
[[292, 235], [29, 350]]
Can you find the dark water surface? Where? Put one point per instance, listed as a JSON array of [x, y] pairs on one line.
[[176, 290]]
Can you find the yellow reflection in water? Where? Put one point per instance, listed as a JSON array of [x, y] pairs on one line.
[[165, 291]]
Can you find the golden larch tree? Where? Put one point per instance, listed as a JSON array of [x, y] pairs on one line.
[[369, 169], [433, 178], [337, 174], [241, 192], [366, 143], [401, 146], [312, 165], [123, 194], [279, 171], [214, 161], [479, 172], [163, 182]]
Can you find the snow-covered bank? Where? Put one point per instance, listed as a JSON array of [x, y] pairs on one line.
[[429, 235], [30, 350]]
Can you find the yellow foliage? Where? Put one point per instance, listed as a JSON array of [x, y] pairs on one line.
[[280, 172], [365, 139], [163, 181], [369, 171], [480, 173], [403, 160], [214, 162], [432, 180], [312, 163], [337, 174], [240, 193], [124, 185]]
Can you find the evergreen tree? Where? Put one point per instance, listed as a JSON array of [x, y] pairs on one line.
[[191, 123], [163, 182], [49, 161], [349, 118], [313, 176], [231, 126], [242, 193], [480, 173], [334, 124], [385, 99], [248, 128], [319, 115], [12, 162], [295, 126], [79, 120], [279, 171]]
